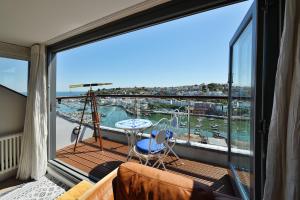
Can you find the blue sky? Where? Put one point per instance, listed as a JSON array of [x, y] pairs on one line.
[[191, 50], [14, 74]]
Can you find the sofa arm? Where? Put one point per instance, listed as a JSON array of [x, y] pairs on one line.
[[102, 190], [76, 191]]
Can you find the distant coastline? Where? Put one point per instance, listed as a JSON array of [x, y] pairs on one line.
[[69, 93]]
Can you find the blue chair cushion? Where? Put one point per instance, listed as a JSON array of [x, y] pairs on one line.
[[169, 133], [143, 146]]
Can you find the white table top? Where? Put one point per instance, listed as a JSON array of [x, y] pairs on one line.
[[134, 124]]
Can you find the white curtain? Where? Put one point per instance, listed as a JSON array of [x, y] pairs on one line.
[[283, 155], [33, 159]]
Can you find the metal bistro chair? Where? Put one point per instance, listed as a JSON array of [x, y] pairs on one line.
[[154, 148], [171, 134]]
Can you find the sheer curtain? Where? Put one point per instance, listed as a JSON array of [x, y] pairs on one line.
[[33, 159], [283, 155]]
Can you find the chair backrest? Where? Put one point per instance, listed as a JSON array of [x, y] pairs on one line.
[[161, 137], [174, 122], [174, 125], [161, 124], [165, 128]]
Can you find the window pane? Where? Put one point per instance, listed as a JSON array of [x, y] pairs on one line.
[[14, 74], [185, 58], [241, 104]]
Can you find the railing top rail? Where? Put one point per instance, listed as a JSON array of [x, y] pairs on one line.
[[147, 96], [154, 96]]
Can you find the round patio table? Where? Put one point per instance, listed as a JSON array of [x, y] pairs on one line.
[[132, 127]]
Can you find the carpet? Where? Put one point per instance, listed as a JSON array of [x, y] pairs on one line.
[[46, 188]]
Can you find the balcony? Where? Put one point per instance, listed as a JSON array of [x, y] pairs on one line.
[[91, 161], [201, 141]]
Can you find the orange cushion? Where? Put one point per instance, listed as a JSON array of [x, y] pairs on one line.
[[135, 182]]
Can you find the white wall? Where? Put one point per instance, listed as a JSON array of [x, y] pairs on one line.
[[64, 136], [12, 111], [12, 105]]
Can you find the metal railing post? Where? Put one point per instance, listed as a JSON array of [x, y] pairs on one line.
[[189, 125]]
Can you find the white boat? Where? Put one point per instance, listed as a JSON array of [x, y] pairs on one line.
[[214, 126], [182, 124], [217, 134], [197, 133]]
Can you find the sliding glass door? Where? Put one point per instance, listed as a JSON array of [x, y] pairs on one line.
[[241, 104]]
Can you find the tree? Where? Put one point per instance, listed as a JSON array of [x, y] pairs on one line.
[[212, 86], [203, 88]]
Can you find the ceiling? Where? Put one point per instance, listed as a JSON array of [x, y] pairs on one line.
[[47, 21]]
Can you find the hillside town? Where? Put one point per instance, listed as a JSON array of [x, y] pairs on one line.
[[211, 89]]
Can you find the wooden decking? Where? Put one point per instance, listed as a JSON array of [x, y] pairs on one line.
[[89, 159]]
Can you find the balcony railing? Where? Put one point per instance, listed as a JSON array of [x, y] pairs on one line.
[[202, 119]]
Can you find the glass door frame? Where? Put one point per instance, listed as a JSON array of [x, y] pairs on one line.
[[249, 18], [158, 14]]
